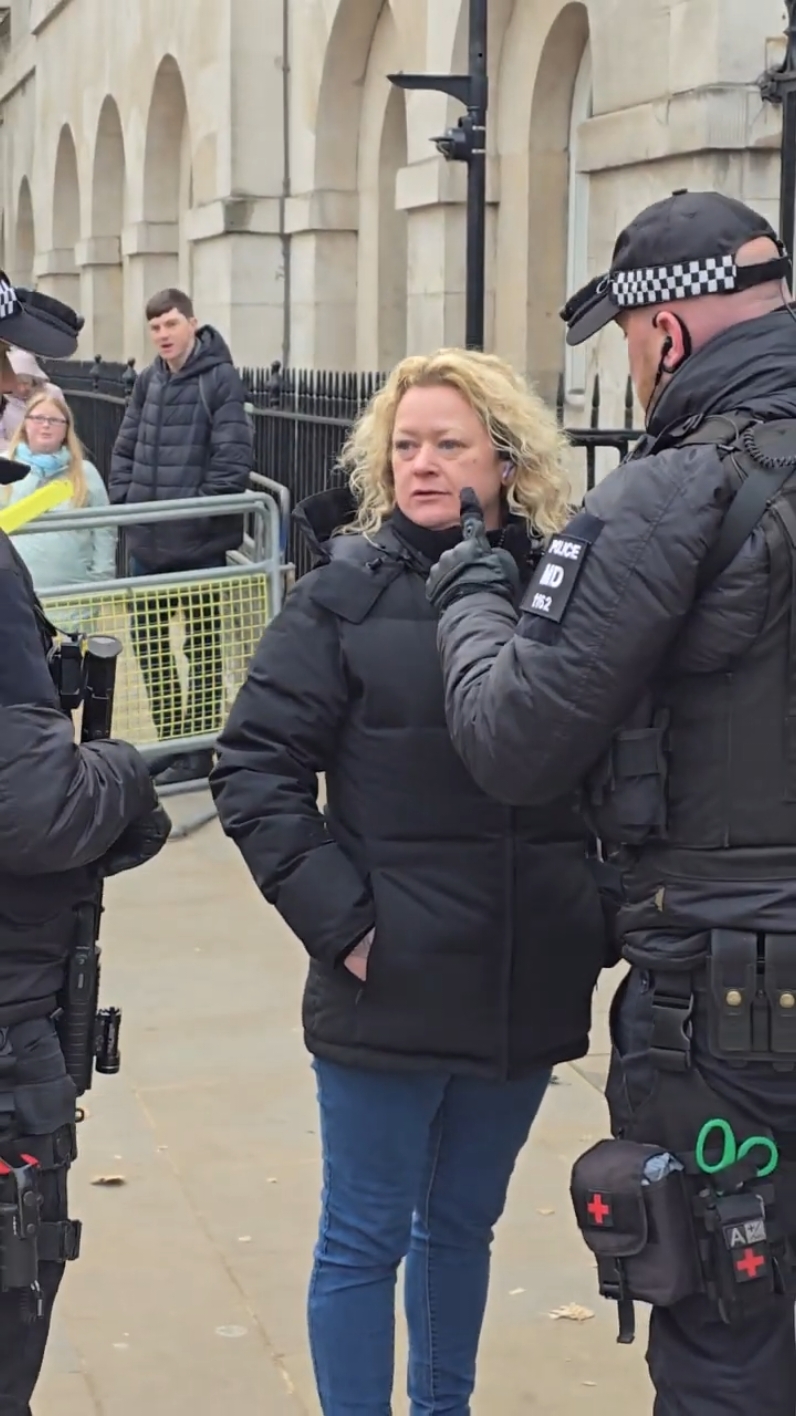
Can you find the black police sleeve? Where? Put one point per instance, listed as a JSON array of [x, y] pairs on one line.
[[62, 805]]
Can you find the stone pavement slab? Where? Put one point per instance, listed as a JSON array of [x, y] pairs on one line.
[[189, 1297]]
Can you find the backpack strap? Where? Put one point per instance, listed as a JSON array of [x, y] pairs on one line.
[[766, 457], [203, 395], [716, 430]]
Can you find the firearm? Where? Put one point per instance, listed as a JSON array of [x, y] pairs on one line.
[[84, 671]]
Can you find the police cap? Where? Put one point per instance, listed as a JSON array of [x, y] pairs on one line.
[[680, 248]]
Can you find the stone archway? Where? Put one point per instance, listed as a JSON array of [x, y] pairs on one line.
[[393, 253], [382, 241], [325, 248], [103, 285], [62, 278], [25, 237], [168, 182], [576, 360], [540, 57], [548, 195], [337, 121]]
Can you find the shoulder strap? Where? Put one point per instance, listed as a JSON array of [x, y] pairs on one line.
[[203, 395], [766, 455]]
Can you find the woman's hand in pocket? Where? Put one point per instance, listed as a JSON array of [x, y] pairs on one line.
[[357, 961]]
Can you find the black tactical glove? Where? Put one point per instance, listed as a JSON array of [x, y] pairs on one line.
[[473, 566], [138, 843]]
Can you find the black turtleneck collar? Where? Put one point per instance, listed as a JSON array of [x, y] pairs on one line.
[[748, 368], [513, 537]]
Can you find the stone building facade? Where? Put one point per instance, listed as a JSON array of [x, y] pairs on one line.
[[254, 152]]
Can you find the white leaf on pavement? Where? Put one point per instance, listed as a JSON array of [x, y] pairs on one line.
[[109, 1180], [573, 1312], [514, 1291]]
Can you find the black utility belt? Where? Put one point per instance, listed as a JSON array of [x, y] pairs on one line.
[[744, 985]]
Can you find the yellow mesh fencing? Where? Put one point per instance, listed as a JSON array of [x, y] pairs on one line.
[[186, 650]]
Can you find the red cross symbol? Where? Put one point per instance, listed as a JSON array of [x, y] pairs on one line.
[[598, 1209], [750, 1263]]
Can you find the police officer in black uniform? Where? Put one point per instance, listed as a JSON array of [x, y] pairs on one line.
[[653, 668], [69, 815]]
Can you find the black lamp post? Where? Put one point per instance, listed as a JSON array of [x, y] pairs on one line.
[[467, 143], [779, 86]]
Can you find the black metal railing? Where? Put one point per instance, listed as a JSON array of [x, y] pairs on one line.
[[301, 420]]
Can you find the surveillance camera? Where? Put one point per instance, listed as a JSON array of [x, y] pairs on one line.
[[455, 143], [445, 145]]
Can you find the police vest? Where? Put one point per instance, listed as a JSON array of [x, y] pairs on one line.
[[708, 761]]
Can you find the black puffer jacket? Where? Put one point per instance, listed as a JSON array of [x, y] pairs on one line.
[[488, 929], [184, 435], [62, 806], [532, 706]]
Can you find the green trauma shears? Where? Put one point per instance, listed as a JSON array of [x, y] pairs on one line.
[[731, 1151]]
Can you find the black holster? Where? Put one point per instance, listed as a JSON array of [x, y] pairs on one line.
[[26, 1240]]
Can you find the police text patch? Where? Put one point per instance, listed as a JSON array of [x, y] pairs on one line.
[[554, 580]]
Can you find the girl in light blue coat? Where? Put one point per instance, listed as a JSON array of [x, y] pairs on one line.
[[46, 441]]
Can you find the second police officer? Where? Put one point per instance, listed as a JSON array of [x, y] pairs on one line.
[[70, 814], [653, 665]]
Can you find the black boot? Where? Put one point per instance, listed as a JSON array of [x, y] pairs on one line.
[[191, 767]]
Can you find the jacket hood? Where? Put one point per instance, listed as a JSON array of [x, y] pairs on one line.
[[319, 516], [750, 368], [210, 350]]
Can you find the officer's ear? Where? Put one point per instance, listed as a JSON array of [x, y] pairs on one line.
[[676, 344]]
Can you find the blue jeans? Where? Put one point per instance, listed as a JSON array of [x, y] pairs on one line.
[[416, 1165]]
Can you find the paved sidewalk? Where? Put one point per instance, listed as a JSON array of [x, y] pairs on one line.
[[189, 1297]]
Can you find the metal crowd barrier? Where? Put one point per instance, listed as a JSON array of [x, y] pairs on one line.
[[260, 483], [188, 637]]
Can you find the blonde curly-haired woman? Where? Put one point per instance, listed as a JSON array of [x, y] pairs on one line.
[[453, 943]]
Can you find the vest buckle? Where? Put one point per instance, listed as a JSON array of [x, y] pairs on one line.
[[672, 1022]]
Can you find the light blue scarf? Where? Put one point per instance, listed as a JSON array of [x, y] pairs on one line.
[[44, 464]]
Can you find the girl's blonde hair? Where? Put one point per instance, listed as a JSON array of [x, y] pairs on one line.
[[521, 426], [75, 469]]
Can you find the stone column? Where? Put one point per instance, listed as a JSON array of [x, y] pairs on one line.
[[55, 273], [102, 295], [150, 252], [237, 274], [434, 194], [322, 228]]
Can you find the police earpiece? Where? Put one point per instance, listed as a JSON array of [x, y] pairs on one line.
[[666, 349]]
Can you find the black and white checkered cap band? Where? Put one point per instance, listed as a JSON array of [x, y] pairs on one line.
[[9, 303], [715, 275]]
